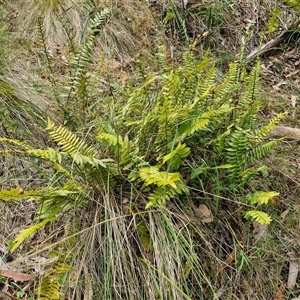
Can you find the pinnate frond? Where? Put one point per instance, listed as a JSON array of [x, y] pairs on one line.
[[175, 157], [50, 285], [152, 175], [261, 197], [238, 145], [194, 124], [259, 152], [26, 233], [68, 141], [265, 130], [165, 193], [258, 216], [17, 194]]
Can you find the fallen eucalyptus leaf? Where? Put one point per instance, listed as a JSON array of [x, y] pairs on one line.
[[204, 214], [293, 272]]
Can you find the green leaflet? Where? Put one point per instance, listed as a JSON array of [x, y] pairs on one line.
[[26, 233]]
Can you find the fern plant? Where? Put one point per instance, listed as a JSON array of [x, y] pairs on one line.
[[74, 99], [189, 110], [50, 286], [75, 168], [69, 191], [161, 131]]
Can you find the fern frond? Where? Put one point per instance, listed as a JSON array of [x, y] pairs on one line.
[[265, 130], [49, 288], [110, 138], [51, 282], [16, 143], [175, 157], [162, 60], [26, 233], [238, 145], [258, 216], [165, 193], [84, 57], [190, 126], [229, 85], [180, 22], [15, 194], [205, 85], [68, 141], [250, 92], [152, 175], [261, 197], [246, 174], [123, 149], [248, 117], [259, 152], [159, 196], [56, 201], [81, 160], [49, 154], [98, 20]]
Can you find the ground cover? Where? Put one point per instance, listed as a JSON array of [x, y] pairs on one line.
[[144, 172]]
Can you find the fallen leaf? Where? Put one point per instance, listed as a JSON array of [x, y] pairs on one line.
[[293, 272], [260, 230], [18, 276], [230, 258], [294, 100], [204, 214], [4, 296], [3, 265], [280, 293], [284, 214], [185, 3], [291, 52]]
